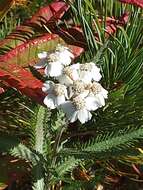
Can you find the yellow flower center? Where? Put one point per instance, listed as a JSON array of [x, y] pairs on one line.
[[78, 87], [78, 102], [68, 71], [59, 90], [95, 88]]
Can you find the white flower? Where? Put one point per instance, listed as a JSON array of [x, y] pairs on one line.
[[97, 91], [79, 108], [55, 62], [43, 60], [69, 75], [65, 56], [89, 72], [57, 94]]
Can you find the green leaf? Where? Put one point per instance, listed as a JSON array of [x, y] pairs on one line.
[[23, 152], [67, 165]]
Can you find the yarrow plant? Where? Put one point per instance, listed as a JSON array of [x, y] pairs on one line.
[[74, 88]]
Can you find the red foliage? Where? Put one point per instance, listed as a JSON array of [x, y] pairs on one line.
[[19, 50], [52, 12], [133, 2], [112, 24], [24, 81], [49, 13]]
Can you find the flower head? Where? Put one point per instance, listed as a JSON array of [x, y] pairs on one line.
[[79, 108], [55, 62], [54, 67], [57, 94], [65, 55], [77, 92], [97, 91], [89, 71]]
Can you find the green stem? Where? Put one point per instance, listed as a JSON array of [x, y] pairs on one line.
[[56, 145]]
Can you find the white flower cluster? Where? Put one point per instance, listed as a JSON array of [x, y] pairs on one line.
[[77, 90]]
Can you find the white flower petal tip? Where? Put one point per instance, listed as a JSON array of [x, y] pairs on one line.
[[43, 60], [49, 101], [99, 93], [42, 55], [65, 55], [66, 50]]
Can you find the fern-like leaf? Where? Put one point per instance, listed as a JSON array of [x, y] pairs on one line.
[[107, 145], [67, 165], [23, 152]]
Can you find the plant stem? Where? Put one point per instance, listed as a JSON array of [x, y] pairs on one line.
[[56, 145]]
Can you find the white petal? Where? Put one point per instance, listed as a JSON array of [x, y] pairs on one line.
[[41, 64], [91, 103], [69, 109], [74, 117], [64, 59], [104, 93], [75, 66], [75, 75], [49, 101], [95, 72], [64, 79], [47, 69], [84, 115], [54, 69], [59, 100], [66, 52], [96, 76], [69, 53], [48, 87], [42, 55], [86, 76], [84, 94], [101, 100]]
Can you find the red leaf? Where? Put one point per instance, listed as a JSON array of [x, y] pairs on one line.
[[50, 13], [112, 23], [133, 2], [20, 54], [72, 36], [53, 11], [24, 81]]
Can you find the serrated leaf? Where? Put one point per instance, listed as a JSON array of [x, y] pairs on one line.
[[50, 13], [66, 165]]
